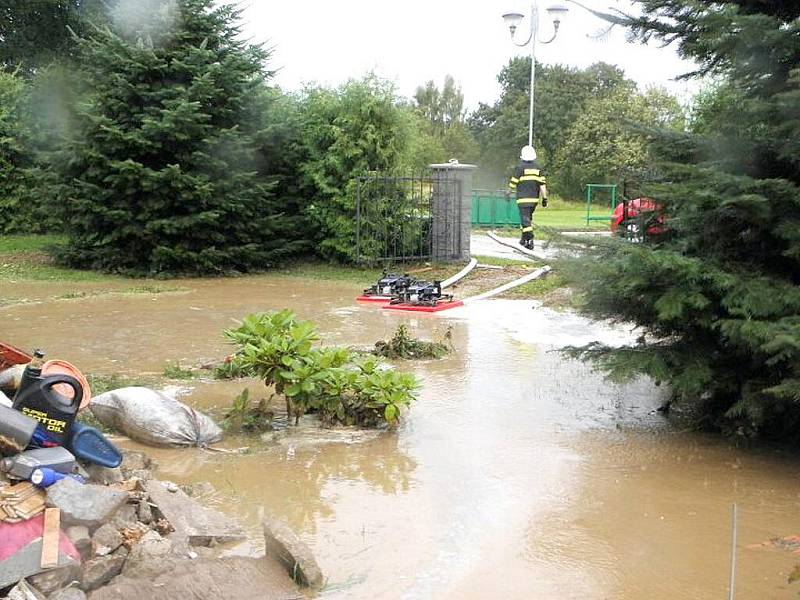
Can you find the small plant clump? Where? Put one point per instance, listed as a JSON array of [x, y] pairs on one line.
[[249, 416], [402, 345], [339, 386], [176, 371], [227, 369]]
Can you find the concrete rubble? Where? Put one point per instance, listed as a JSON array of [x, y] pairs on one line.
[[132, 536], [198, 525], [283, 544], [85, 504]]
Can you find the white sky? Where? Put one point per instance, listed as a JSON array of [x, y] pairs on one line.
[[413, 41]]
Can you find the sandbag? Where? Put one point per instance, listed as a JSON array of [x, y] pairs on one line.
[[154, 418]]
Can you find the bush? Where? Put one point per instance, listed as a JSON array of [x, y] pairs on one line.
[[246, 415], [348, 132], [279, 349], [162, 174], [402, 345]]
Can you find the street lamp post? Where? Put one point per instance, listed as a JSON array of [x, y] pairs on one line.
[[513, 19]]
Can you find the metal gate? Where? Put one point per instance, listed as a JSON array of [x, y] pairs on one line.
[[407, 218]]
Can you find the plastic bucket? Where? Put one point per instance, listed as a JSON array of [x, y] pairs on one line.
[[62, 367]]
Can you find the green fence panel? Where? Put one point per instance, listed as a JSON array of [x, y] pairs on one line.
[[491, 208]]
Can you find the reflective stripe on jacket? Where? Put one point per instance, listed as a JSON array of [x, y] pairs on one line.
[[526, 181]]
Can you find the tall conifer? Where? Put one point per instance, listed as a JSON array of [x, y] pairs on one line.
[[718, 300], [161, 175]]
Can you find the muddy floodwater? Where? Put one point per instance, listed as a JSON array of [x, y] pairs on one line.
[[518, 474]]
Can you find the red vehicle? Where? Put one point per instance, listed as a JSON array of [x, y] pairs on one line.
[[637, 218]]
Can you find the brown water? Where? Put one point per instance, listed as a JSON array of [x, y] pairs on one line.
[[518, 474]]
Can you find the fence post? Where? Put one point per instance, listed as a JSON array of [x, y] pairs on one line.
[[451, 211]]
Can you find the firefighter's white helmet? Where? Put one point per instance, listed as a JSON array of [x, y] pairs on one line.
[[527, 153]]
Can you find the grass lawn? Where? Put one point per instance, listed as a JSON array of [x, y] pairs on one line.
[[568, 216], [28, 243], [25, 258]]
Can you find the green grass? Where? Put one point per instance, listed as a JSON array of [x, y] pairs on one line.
[[24, 271], [539, 287], [503, 262], [364, 275], [568, 216], [330, 272], [104, 383], [141, 289], [29, 243], [176, 371]]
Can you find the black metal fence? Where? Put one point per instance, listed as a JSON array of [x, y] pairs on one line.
[[401, 218]]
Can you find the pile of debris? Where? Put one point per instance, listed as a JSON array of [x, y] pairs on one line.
[[79, 516]]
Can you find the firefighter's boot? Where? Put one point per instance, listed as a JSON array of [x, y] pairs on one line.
[[527, 240]]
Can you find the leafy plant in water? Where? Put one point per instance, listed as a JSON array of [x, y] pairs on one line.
[[246, 416], [227, 369], [278, 348], [402, 345], [176, 371]]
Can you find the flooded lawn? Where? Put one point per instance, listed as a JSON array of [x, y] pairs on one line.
[[518, 474]]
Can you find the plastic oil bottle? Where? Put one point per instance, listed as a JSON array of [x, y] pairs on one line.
[[38, 399]]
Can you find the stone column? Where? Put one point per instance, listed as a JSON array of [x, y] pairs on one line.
[[451, 208]]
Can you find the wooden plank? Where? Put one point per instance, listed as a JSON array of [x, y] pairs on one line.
[[50, 537]]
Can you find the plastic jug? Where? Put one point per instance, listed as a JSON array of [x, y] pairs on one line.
[[88, 443], [56, 412]]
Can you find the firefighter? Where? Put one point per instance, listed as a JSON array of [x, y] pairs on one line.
[[530, 186]]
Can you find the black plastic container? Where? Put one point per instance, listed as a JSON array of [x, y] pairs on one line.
[[55, 412]]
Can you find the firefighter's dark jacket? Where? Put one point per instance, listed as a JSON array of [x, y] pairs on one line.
[[526, 181]]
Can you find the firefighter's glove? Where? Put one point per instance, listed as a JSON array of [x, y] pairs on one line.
[[508, 193], [544, 202]]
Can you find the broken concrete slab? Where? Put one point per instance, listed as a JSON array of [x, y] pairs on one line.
[[85, 504], [149, 557], [24, 591], [124, 517], [99, 571], [191, 520], [104, 475], [51, 580], [233, 577], [79, 536], [144, 512], [105, 540], [134, 461], [70, 593], [289, 550]]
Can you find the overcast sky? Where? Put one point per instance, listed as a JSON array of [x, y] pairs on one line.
[[412, 41]]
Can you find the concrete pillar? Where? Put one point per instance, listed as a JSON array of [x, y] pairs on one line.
[[451, 208]]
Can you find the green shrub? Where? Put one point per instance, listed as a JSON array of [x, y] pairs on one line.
[[177, 371], [348, 132], [279, 349], [245, 415], [162, 174], [402, 345]]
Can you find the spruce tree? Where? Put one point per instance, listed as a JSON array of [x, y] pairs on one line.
[[161, 176], [717, 300]]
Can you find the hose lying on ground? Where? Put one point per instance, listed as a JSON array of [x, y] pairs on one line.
[[513, 246], [511, 285], [461, 274]]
